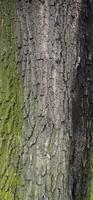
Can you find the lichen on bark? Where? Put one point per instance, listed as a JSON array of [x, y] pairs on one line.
[[10, 104]]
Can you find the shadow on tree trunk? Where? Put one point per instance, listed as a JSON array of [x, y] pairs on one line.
[[82, 107]]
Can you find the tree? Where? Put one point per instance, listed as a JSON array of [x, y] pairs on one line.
[[46, 99]]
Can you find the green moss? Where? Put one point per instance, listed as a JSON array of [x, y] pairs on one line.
[[10, 104], [91, 192], [90, 188]]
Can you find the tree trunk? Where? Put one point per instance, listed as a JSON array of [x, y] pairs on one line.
[[46, 81]]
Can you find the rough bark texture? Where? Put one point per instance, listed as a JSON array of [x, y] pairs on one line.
[[49, 56], [45, 130]]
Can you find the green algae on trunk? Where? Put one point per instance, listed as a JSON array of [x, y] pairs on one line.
[[10, 104], [90, 175]]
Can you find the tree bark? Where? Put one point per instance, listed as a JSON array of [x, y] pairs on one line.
[[46, 100]]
